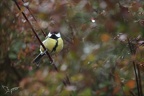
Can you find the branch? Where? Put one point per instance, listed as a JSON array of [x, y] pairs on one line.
[[35, 19], [136, 68], [51, 60], [66, 81], [131, 92], [139, 79]]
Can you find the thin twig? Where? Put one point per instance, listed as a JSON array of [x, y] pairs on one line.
[[132, 93], [134, 66], [51, 60], [35, 19], [139, 79], [67, 80], [56, 69], [136, 76]]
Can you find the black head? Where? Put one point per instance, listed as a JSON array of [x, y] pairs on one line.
[[54, 35]]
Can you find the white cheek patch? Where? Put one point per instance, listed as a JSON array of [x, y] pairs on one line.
[[58, 35], [49, 34]]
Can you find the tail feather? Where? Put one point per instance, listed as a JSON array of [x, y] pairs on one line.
[[37, 59]]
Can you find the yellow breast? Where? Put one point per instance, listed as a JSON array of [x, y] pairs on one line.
[[60, 45], [50, 43]]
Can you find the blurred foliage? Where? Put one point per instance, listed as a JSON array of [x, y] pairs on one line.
[[96, 56]]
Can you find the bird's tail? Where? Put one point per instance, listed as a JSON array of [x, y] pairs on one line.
[[37, 59]]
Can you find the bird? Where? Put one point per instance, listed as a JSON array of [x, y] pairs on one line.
[[53, 44]]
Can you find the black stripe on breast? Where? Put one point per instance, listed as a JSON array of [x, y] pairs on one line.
[[54, 48]]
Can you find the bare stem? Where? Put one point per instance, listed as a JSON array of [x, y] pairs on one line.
[[136, 69], [35, 19], [33, 31]]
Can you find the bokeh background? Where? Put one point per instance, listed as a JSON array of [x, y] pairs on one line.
[[96, 57]]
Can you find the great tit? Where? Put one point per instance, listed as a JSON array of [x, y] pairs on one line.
[[53, 44]]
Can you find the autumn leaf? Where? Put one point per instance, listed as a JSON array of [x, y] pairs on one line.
[[105, 37]]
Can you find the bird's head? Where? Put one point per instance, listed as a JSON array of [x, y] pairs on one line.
[[54, 35]]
